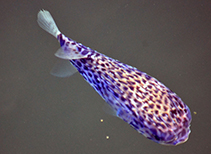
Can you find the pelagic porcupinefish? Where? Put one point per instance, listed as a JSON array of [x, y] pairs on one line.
[[137, 98]]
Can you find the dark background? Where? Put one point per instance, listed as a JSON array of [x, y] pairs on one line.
[[40, 113]]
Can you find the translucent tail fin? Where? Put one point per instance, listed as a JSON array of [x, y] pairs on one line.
[[45, 21]]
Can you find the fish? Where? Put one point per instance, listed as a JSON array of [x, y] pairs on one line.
[[139, 99]]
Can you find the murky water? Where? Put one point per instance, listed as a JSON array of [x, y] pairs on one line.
[[40, 113]]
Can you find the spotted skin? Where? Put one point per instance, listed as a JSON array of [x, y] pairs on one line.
[[137, 98]]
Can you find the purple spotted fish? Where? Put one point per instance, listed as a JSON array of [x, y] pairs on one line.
[[137, 98]]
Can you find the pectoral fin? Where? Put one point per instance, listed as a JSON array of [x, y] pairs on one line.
[[63, 68]]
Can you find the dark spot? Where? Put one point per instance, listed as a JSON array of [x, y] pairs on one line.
[[90, 75], [145, 93], [131, 87], [97, 54], [181, 104], [130, 76], [122, 82], [151, 106], [61, 41], [173, 113], [166, 101], [83, 61], [139, 73], [119, 73], [185, 122], [103, 69], [96, 78], [175, 125], [149, 123], [158, 106], [145, 102], [106, 75], [112, 86], [165, 108], [130, 94], [138, 81], [122, 70], [79, 64], [135, 115], [151, 98], [128, 70], [116, 95], [102, 65], [123, 99], [92, 53], [129, 107], [130, 82], [159, 124], [137, 95], [89, 59], [109, 89], [178, 120], [159, 101], [156, 112], [73, 43], [79, 49], [84, 52], [147, 77], [167, 125], [135, 100], [103, 59], [169, 120], [159, 118], [85, 68], [67, 43], [125, 88], [150, 115], [144, 81], [134, 125], [180, 112], [141, 119], [145, 108], [106, 64], [149, 86], [155, 96], [176, 98]]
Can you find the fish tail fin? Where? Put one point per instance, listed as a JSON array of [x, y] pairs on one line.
[[46, 22]]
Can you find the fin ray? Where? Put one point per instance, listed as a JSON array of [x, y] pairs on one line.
[[46, 22]]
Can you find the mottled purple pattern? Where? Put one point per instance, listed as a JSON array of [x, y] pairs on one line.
[[139, 99], [59, 37]]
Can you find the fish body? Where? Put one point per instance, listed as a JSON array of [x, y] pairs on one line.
[[137, 98]]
